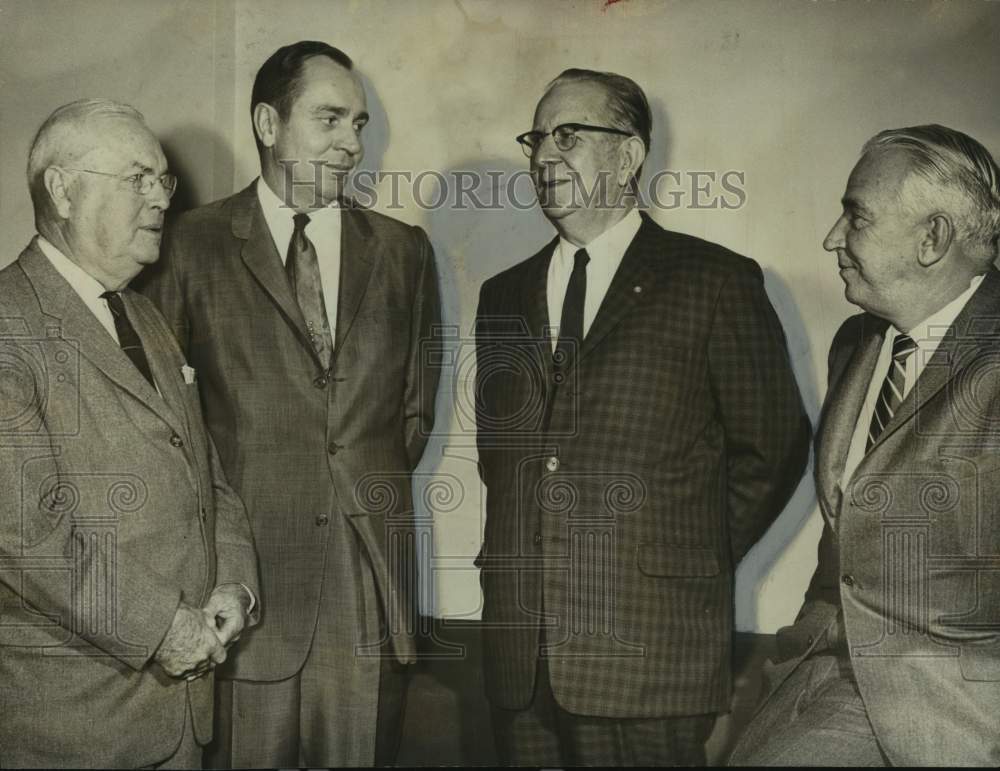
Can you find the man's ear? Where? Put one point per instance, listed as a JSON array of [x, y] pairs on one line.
[[631, 157], [939, 233], [265, 123], [57, 185]]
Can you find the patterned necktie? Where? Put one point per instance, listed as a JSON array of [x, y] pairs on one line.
[[891, 395], [302, 268], [571, 325], [128, 338]]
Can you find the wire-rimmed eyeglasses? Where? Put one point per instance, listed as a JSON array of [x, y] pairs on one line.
[[141, 182]]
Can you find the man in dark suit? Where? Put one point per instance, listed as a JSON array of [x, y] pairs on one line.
[[306, 319], [126, 561], [631, 458], [895, 655]]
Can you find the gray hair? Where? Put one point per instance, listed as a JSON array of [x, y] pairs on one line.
[[955, 170], [57, 141]]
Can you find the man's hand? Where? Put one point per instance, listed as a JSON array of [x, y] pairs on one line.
[[227, 610], [191, 646]]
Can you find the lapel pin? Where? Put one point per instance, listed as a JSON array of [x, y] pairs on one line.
[[637, 289], [188, 373]]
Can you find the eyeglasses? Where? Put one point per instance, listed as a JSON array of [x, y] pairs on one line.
[[564, 135], [141, 183]]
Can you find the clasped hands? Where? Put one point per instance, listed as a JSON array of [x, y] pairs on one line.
[[199, 637]]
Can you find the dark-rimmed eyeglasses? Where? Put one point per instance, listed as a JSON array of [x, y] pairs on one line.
[[564, 136], [142, 183]]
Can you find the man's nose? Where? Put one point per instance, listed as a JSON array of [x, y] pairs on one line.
[[158, 197], [835, 238], [349, 141]]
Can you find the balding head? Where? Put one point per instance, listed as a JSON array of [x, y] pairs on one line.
[[99, 186], [65, 137]]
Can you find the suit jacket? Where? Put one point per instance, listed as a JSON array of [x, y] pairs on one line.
[[301, 445], [910, 551], [676, 439], [114, 509]]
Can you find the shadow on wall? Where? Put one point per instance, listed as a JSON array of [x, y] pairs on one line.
[[188, 147], [760, 560], [475, 234]]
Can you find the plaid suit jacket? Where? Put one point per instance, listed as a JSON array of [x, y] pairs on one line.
[[114, 508], [676, 439], [910, 551], [301, 445]]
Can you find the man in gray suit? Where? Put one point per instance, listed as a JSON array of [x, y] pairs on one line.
[[307, 319], [126, 561], [895, 655]]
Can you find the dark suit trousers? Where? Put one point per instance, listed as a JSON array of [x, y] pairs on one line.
[[815, 718], [545, 734], [344, 707]]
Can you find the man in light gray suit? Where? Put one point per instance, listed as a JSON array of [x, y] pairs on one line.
[[895, 655], [126, 561]]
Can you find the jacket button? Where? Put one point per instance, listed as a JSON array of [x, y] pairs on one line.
[[320, 382], [538, 539], [176, 441], [322, 520], [810, 640], [332, 448], [552, 464], [848, 579]]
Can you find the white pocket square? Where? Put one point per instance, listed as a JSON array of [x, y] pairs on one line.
[[188, 373]]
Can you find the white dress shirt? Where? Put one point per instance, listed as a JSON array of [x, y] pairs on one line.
[[927, 335], [606, 253], [324, 232], [86, 286]]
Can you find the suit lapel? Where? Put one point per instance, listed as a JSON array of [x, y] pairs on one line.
[[633, 277], [844, 402], [261, 257], [357, 262], [536, 309], [79, 326], [963, 342]]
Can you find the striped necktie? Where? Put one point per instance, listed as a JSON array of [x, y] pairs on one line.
[[128, 338], [891, 395]]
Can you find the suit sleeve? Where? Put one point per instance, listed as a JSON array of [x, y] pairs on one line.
[[236, 557], [423, 366], [766, 429], [57, 554]]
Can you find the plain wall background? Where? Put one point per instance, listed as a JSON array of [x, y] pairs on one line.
[[785, 91]]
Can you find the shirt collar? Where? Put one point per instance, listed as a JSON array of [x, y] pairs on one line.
[[274, 208], [610, 245], [929, 332], [85, 285]]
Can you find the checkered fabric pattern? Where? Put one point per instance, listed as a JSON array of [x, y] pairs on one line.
[[676, 440]]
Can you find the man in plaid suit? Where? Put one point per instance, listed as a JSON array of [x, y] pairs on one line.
[[631, 457]]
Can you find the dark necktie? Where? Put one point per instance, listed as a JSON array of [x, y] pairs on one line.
[[128, 338], [302, 268], [571, 324], [891, 395]]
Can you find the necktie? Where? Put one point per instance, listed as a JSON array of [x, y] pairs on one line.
[[571, 324], [891, 394], [128, 338], [302, 268]]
